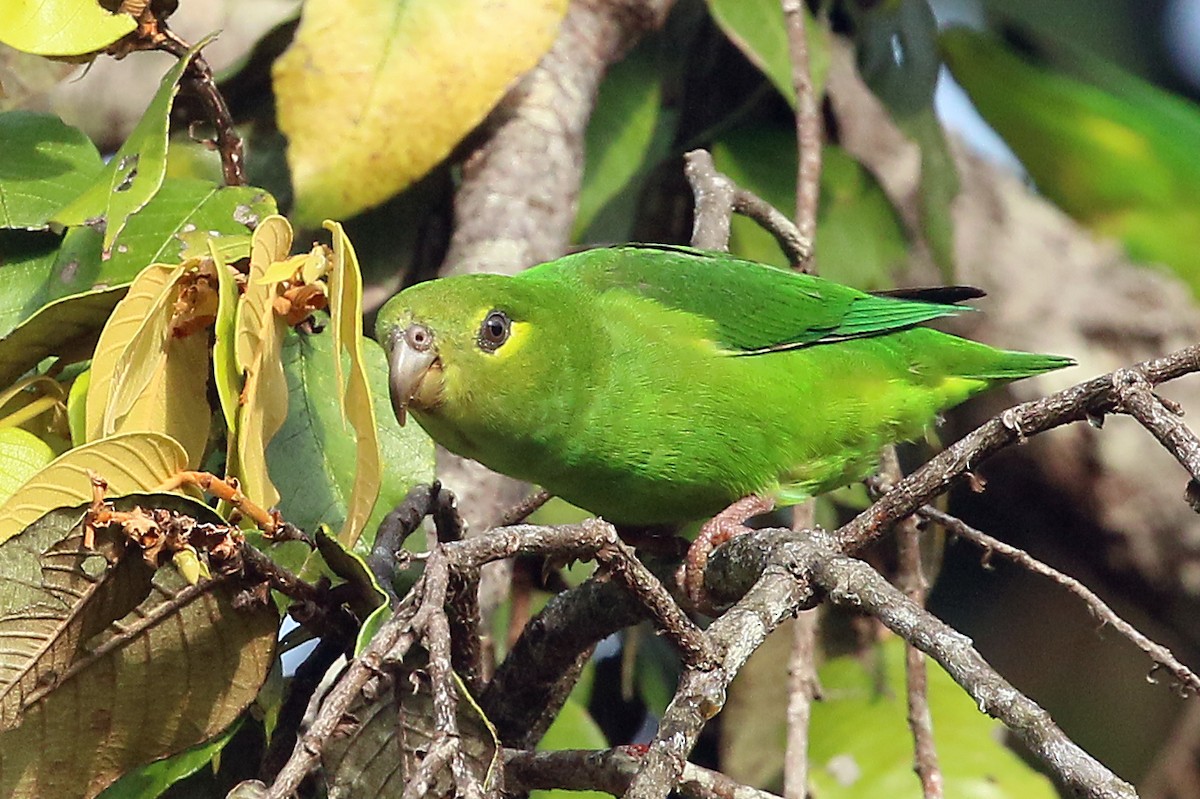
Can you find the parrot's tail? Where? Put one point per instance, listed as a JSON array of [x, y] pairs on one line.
[[1013, 365]]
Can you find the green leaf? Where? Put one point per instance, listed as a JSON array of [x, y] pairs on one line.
[[353, 64], [860, 745], [620, 132], [313, 457], [66, 326], [156, 233], [39, 268], [226, 374], [1120, 159], [757, 28], [369, 603], [61, 27], [44, 163], [22, 455], [152, 780], [860, 239], [137, 170]]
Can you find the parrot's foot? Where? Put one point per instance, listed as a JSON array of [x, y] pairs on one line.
[[716, 531]]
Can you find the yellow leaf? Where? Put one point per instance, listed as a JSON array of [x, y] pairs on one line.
[[373, 93], [346, 312], [145, 376], [61, 27], [147, 298], [259, 339], [281, 270], [129, 462]]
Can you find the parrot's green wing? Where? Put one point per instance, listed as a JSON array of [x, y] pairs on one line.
[[752, 308]]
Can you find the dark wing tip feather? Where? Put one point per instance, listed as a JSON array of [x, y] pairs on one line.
[[941, 295]]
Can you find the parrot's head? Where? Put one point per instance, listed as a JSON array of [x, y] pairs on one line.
[[468, 354]]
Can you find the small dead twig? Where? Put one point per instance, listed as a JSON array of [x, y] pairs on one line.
[[434, 628], [803, 688], [916, 680], [1159, 654], [401, 522], [269, 522], [523, 509]]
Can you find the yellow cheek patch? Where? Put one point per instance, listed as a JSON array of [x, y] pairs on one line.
[[517, 335]]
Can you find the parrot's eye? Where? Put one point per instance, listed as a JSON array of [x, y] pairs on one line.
[[494, 331]]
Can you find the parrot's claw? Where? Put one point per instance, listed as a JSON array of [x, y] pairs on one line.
[[714, 532]]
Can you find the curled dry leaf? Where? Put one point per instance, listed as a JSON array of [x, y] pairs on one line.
[[195, 306]]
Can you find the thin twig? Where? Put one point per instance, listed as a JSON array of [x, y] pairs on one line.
[[916, 681], [609, 770], [200, 81], [525, 508], [1158, 653], [717, 197], [462, 598], [911, 580], [808, 125], [670, 619], [798, 249], [802, 690], [802, 665], [802, 680]]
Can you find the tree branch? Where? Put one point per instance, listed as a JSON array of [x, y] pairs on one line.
[[1092, 398], [609, 770], [1159, 654]]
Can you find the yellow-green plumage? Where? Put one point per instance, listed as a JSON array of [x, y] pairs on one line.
[[658, 385]]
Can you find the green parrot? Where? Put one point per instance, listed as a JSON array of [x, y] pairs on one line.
[[1121, 159], [656, 385]]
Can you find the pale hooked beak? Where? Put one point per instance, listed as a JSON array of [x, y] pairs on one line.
[[411, 357]]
